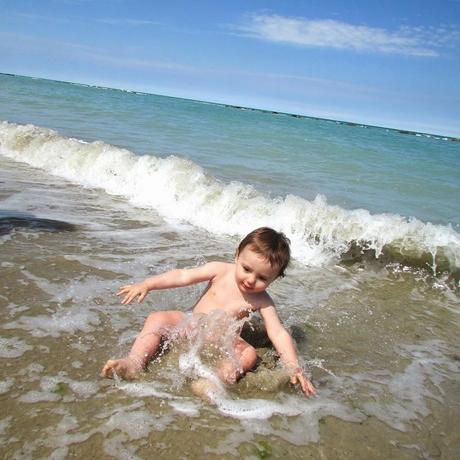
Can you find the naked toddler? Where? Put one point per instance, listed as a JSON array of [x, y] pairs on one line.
[[238, 289]]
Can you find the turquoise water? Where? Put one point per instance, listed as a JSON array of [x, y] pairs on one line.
[[380, 170]]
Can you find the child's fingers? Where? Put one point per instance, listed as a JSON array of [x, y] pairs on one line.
[[132, 297], [141, 297], [128, 298], [307, 388], [123, 289]]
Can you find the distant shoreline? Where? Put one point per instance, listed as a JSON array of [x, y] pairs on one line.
[[253, 109]]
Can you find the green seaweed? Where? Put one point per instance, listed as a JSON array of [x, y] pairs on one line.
[[60, 389], [264, 449]]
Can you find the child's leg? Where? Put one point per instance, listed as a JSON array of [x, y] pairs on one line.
[[145, 345], [230, 371]]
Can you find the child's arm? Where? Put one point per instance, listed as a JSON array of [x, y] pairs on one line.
[[172, 279], [284, 345]]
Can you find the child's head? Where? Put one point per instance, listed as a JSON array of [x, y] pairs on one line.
[[270, 244]]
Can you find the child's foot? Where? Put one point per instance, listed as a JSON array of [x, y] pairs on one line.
[[205, 389], [125, 368]]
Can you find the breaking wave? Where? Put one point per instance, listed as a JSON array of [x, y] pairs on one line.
[[177, 188]]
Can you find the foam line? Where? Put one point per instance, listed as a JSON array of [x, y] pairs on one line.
[[180, 189]]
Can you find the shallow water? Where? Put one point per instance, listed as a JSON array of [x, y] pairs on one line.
[[381, 343]]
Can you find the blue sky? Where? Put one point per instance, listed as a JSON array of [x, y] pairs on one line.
[[387, 63]]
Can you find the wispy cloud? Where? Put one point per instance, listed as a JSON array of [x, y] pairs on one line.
[[96, 55], [127, 22], [136, 63], [130, 22], [105, 57], [329, 33], [40, 17]]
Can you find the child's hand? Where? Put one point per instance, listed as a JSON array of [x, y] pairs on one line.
[[131, 291], [305, 384]]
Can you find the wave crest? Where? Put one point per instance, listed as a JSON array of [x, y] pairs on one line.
[[180, 189]]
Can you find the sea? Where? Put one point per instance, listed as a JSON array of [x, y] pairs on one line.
[[102, 187]]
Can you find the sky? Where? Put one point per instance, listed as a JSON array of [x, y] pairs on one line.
[[393, 63]]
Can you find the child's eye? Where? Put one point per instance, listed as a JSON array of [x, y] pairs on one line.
[[246, 269]]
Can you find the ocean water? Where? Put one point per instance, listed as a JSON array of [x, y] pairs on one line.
[[101, 187]]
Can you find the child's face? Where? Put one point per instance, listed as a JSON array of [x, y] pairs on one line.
[[253, 272]]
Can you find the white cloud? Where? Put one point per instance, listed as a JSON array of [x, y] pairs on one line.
[[328, 33]]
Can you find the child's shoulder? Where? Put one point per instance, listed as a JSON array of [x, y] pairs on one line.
[[263, 299], [220, 267]]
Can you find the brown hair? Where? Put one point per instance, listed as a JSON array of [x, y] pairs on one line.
[[272, 245]]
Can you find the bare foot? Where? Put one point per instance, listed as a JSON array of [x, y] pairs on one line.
[[205, 389], [125, 368]]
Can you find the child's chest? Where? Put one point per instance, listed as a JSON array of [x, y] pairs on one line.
[[220, 296]]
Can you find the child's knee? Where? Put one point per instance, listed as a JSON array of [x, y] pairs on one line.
[[249, 358], [155, 322], [160, 322], [228, 374]]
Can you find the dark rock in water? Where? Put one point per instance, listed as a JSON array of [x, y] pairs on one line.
[[255, 334], [359, 251], [298, 334], [8, 224], [403, 131]]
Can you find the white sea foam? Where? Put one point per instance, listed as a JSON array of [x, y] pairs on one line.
[[78, 293], [4, 424], [302, 429], [69, 320], [180, 189], [410, 389], [5, 385], [143, 389], [13, 347], [255, 408], [118, 428], [53, 388], [186, 407]]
